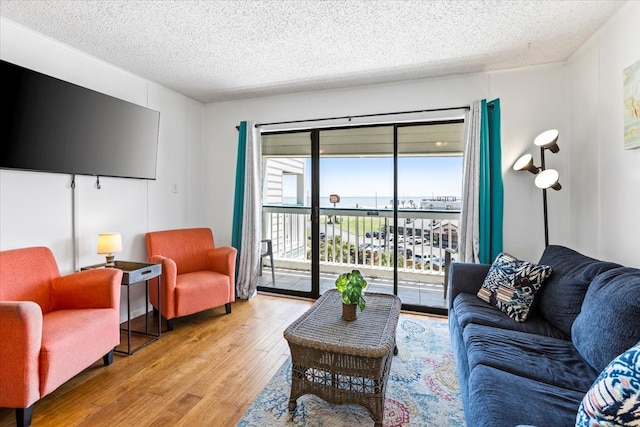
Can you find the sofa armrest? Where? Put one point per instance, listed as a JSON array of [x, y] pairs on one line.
[[21, 332], [97, 288], [465, 278], [223, 260]]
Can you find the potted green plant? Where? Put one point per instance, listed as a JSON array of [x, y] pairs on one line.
[[351, 287]]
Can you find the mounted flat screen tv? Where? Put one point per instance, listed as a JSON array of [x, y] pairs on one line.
[[50, 125]]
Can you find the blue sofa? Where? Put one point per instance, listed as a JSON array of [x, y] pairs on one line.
[[537, 372]]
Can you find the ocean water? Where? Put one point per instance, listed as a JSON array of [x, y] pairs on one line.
[[380, 202]]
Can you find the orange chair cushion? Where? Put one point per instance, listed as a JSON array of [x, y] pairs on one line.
[[187, 247], [63, 354], [200, 291], [26, 275]]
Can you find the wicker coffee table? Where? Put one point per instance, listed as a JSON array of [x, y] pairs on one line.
[[344, 362]]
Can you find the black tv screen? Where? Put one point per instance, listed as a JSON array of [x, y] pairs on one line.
[[50, 125]]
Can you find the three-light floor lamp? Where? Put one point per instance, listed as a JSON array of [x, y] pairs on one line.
[[545, 178]]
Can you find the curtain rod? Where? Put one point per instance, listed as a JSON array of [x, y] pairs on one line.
[[464, 107]]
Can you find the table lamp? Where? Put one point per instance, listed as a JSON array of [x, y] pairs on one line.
[[108, 244]]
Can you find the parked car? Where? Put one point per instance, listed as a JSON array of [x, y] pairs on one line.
[[322, 236], [375, 234], [407, 252], [372, 248], [439, 262], [423, 258]]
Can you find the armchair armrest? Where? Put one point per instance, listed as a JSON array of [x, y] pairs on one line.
[[21, 331], [223, 260], [169, 271], [98, 288], [168, 283], [465, 278]]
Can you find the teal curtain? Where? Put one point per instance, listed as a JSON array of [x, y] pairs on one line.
[[238, 202], [491, 196]]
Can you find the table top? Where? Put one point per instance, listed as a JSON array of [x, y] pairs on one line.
[[372, 334], [126, 266], [133, 272]]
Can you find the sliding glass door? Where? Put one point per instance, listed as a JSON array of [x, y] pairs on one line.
[[429, 187], [356, 177], [383, 199], [286, 212]]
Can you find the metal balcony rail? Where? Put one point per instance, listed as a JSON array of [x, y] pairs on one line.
[[363, 238]]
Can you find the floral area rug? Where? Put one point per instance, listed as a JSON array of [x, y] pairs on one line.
[[422, 389]]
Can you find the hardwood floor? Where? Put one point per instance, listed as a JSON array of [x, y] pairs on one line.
[[206, 372]]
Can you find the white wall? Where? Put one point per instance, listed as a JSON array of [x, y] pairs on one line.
[[606, 177], [596, 208], [526, 111], [36, 208], [594, 212]]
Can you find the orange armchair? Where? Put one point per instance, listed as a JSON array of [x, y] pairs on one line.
[[51, 327], [196, 275]]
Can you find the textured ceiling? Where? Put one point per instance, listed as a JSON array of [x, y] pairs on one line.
[[221, 50]]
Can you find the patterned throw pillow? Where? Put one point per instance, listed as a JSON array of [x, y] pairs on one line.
[[614, 398], [512, 284]]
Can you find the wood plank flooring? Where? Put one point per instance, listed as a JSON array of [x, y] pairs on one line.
[[206, 372]]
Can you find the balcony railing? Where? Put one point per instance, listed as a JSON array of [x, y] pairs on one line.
[[364, 238]]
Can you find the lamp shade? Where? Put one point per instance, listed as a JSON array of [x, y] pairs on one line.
[[548, 179], [525, 163], [109, 243], [548, 140]]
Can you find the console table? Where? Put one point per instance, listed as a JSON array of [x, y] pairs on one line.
[[344, 361], [132, 273]]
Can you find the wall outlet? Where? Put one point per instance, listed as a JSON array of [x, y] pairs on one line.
[[174, 187]]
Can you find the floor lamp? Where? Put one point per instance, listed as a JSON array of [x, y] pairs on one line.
[[545, 178]]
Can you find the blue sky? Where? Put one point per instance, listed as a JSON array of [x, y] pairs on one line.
[[364, 177]]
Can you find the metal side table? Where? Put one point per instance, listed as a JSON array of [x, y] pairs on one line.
[[137, 272]]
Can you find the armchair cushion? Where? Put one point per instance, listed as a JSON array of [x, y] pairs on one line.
[[188, 248], [79, 290], [58, 359], [26, 274], [200, 291]]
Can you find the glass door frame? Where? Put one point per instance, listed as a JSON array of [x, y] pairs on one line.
[[314, 292]]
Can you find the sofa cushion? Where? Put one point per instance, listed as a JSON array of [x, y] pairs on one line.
[[499, 398], [460, 356], [614, 398], [511, 285], [548, 360], [609, 322], [469, 309], [561, 297]]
